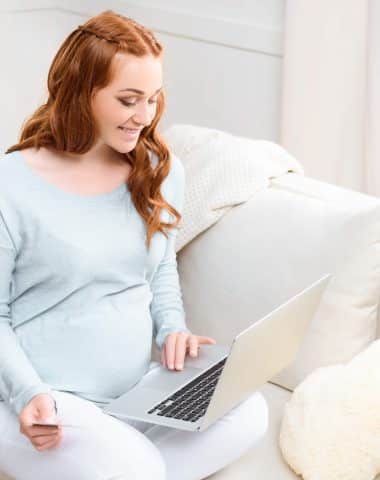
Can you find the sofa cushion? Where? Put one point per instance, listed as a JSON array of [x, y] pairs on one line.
[[268, 249], [346, 320]]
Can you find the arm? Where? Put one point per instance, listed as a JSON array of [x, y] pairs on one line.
[[19, 382], [167, 307]]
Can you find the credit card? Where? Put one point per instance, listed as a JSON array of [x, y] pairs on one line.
[[55, 425]]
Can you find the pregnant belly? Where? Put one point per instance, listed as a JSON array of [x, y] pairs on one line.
[[101, 350]]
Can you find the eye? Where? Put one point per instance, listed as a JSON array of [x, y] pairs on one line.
[[125, 103], [131, 104]]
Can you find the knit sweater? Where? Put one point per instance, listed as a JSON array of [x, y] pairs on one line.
[[81, 297]]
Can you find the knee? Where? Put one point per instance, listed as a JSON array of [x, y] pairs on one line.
[[146, 461], [152, 464], [153, 467], [139, 458], [117, 452]]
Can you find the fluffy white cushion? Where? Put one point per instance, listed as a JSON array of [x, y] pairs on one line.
[[331, 424]]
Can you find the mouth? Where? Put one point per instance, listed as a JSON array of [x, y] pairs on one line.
[[130, 133], [130, 130]]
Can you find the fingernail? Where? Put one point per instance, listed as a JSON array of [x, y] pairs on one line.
[[179, 365], [193, 352], [170, 365]]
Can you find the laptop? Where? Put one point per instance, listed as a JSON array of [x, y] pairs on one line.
[[221, 376]]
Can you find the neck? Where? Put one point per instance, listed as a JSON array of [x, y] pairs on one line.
[[100, 154]]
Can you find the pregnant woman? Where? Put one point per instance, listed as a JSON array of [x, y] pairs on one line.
[[88, 273]]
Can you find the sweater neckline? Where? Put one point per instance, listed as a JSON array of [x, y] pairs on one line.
[[117, 192]]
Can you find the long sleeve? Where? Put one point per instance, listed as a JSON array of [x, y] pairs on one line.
[[66, 302], [167, 306], [19, 381]]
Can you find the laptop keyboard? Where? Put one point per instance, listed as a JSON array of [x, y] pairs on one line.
[[191, 401]]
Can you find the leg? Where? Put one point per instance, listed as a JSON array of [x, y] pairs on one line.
[[100, 448], [196, 455]]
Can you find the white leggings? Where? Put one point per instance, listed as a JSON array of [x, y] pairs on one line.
[[106, 448]]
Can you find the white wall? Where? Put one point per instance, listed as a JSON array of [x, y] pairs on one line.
[[222, 64], [29, 39]]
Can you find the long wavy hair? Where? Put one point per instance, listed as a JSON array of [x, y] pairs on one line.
[[65, 122]]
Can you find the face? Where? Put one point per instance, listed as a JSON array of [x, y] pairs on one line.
[[129, 102]]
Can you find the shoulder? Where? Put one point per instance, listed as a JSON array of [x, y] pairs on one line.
[[177, 169], [176, 176], [9, 163], [8, 186], [176, 166], [7, 159], [176, 182], [173, 186], [12, 182], [9, 175]]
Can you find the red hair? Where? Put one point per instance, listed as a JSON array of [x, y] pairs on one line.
[[65, 122]]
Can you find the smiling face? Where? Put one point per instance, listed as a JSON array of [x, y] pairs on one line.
[[129, 102]]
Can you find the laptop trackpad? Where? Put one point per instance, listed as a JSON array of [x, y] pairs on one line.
[[164, 379]]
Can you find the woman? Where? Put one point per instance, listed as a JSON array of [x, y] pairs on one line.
[[89, 273]]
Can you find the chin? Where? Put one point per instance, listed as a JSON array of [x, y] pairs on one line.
[[123, 148]]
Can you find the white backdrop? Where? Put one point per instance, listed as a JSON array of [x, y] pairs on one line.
[[331, 98], [222, 64], [372, 152], [227, 66]]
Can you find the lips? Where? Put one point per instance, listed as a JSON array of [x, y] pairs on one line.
[[130, 130]]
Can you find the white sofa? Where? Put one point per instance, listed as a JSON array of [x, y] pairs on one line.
[[257, 256]]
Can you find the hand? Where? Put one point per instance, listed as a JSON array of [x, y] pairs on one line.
[[177, 344], [41, 408]]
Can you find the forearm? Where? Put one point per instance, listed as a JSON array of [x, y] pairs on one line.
[[19, 381]]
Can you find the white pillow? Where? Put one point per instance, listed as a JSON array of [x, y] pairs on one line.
[[346, 320], [330, 428], [268, 249]]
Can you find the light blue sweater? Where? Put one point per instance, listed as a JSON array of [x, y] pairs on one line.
[[81, 298]]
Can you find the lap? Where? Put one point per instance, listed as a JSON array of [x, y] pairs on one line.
[[99, 447], [103, 447]]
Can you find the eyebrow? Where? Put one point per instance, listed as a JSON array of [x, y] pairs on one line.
[[135, 90]]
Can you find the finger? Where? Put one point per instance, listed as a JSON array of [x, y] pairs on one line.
[[46, 436], [48, 445], [193, 345], [42, 440], [170, 349], [204, 340], [180, 349], [163, 356]]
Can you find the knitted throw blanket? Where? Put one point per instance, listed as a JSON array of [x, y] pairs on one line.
[[222, 170]]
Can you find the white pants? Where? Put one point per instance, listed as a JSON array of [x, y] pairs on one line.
[[104, 448]]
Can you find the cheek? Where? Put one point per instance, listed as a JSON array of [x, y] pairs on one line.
[[114, 116], [109, 113], [110, 119]]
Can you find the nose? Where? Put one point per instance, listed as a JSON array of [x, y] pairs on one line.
[[142, 115]]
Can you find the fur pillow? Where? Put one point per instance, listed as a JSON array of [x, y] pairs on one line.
[[331, 424]]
